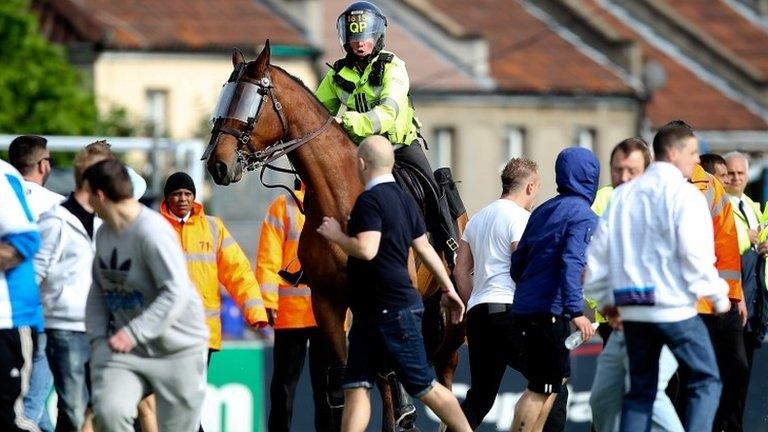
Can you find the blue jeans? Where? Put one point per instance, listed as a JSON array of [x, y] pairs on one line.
[[689, 342], [610, 385], [394, 340], [40, 383], [68, 353]]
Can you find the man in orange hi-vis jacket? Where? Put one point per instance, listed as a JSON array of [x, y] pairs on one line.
[[213, 258], [289, 305], [726, 330]]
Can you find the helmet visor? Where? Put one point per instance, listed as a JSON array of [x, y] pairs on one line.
[[238, 100], [359, 25]]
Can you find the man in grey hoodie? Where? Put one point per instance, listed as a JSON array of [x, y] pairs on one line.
[[144, 318]]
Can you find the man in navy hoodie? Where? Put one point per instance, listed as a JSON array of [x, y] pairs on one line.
[[547, 267]]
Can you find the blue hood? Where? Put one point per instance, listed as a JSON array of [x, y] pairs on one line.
[[577, 172]]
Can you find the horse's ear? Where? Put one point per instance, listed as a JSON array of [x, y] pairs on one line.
[[237, 57], [262, 60]]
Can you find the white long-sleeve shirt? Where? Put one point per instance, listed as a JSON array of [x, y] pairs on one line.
[[653, 252]]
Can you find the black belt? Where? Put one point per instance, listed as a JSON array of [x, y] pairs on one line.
[[492, 308]]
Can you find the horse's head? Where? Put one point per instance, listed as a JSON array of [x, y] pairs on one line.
[[245, 122]]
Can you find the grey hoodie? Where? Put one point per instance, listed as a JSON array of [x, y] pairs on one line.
[[140, 283]]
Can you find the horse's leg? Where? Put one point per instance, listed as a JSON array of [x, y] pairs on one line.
[[330, 318], [387, 404], [446, 358]]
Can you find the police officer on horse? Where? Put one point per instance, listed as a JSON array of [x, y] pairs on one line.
[[368, 91]]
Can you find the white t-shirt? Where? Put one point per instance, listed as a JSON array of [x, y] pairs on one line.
[[490, 234]]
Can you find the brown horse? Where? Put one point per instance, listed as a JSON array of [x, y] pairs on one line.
[[286, 118]]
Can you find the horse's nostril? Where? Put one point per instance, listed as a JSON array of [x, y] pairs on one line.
[[221, 170]]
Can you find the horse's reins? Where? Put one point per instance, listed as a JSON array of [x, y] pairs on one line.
[[251, 161]]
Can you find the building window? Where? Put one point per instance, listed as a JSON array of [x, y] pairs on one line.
[[515, 142], [157, 112], [440, 152], [585, 137]]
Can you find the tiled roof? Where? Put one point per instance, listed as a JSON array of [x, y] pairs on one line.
[[685, 95], [420, 59], [731, 29], [527, 56], [187, 24]]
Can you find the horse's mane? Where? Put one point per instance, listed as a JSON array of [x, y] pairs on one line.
[[298, 81]]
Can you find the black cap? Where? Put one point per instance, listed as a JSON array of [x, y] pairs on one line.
[[179, 180]]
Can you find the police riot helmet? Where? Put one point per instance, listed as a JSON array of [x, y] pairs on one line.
[[360, 21]]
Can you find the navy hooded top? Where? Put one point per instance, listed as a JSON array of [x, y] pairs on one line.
[[550, 257]]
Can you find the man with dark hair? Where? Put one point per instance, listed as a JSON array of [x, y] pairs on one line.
[[483, 281], [144, 318], [652, 257], [547, 266], [715, 165], [629, 159], [29, 154]]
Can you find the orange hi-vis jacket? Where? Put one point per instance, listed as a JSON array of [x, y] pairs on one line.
[[213, 258], [278, 247], [728, 258]]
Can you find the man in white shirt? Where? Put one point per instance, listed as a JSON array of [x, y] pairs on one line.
[[29, 154], [482, 276], [652, 257]]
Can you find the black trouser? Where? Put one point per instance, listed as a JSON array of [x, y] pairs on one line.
[[16, 348], [727, 337], [289, 351], [414, 155], [494, 346]]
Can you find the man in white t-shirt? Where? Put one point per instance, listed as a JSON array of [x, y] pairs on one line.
[[484, 282]]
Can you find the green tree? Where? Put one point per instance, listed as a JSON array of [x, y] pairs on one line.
[[39, 91]]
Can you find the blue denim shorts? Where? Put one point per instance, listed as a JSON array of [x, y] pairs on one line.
[[392, 342]]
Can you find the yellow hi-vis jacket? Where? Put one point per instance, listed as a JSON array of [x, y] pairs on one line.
[[728, 258], [213, 258], [278, 246], [372, 109]]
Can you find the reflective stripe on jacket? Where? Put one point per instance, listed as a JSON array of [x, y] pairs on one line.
[[278, 246], [213, 258], [728, 258], [372, 110]]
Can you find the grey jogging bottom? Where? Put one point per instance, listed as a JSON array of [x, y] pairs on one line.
[[120, 381]]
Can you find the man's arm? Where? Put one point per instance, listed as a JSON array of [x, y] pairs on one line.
[[96, 311], [463, 271], [577, 237], [234, 271], [364, 245], [696, 250], [51, 236], [429, 257], [269, 256]]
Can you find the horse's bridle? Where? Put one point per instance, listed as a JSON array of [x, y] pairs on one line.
[[249, 159]]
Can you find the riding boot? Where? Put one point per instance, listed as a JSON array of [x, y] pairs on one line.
[[405, 411]]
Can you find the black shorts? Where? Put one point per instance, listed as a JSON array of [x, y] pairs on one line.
[[546, 360]]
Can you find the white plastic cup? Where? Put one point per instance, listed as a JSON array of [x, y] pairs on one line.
[[575, 340]]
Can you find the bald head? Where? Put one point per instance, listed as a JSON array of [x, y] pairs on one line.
[[377, 153]]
